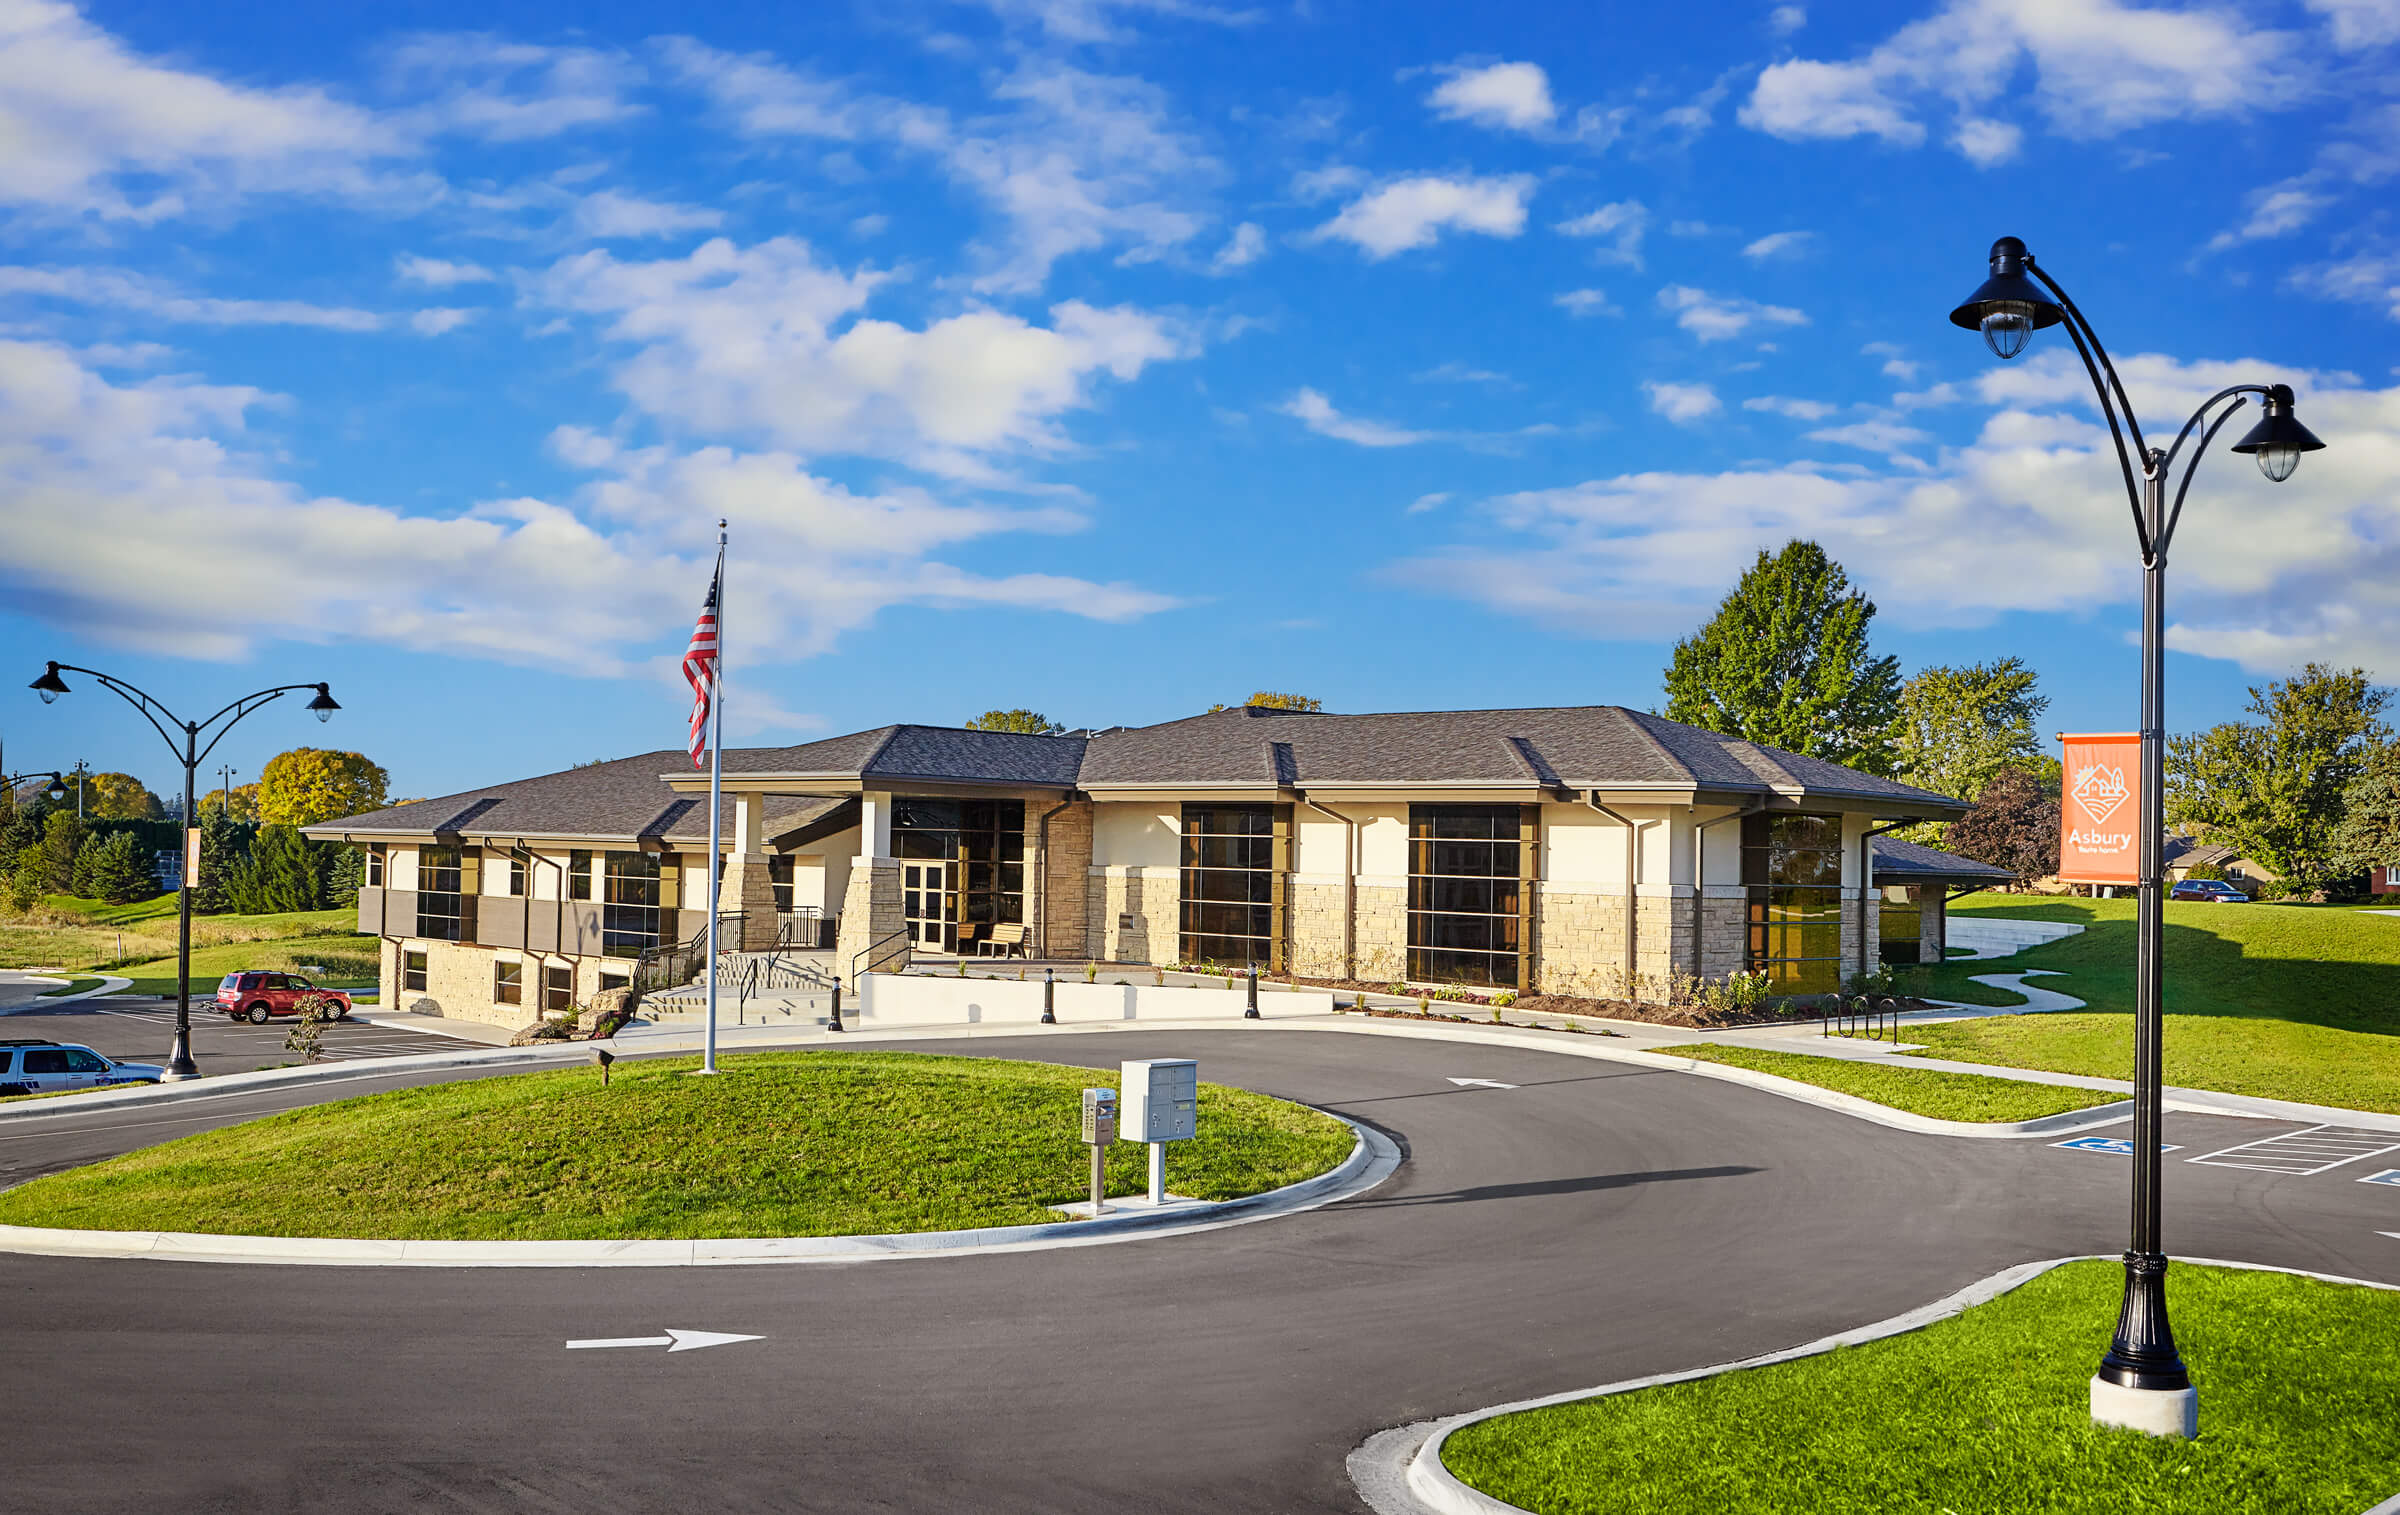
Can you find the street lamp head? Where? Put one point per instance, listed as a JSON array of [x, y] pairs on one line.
[[2008, 308], [49, 686], [2278, 439], [57, 792], [323, 705]]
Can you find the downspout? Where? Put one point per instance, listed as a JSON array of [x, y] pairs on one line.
[[1866, 884], [1700, 873], [1350, 866], [1041, 865], [1633, 832]]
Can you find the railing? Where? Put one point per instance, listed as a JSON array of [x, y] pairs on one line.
[[672, 965], [1859, 1016], [806, 927], [875, 953]]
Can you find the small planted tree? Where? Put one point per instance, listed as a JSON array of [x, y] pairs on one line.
[[317, 1011]]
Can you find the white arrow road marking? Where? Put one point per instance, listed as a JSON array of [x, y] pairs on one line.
[[673, 1341], [1481, 1083]]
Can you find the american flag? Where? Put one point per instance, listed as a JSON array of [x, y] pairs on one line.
[[700, 666]]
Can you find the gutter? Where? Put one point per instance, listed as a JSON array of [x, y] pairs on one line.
[[1700, 873], [1633, 834], [1866, 884], [1351, 864]]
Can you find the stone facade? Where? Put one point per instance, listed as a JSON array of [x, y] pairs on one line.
[[1316, 911], [1933, 922], [749, 888], [1064, 888], [1134, 915], [460, 981], [871, 916]]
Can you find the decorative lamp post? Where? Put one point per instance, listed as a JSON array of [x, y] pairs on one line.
[[191, 754], [2142, 1382]]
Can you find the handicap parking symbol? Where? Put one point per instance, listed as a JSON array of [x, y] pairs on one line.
[[2115, 1146], [2387, 1176]]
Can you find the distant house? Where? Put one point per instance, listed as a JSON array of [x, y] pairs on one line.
[[2385, 880], [1915, 884], [2185, 853]]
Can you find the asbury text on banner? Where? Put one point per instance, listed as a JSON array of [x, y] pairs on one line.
[[2098, 841]]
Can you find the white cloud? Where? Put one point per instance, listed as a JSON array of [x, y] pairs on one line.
[[1503, 96], [2099, 67], [91, 127], [134, 505], [436, 273], [1585, 302], [1069, 161], [1782, 244], [1317, 413], [766, 341], [1718, 318], [2268, 575], [1683, 403], [1455, 372], [122, 291], [1784, 20], [612, 215], [1414, 212], [2276, 211], [1784, 405], [1896, 363], [1247, 245], [2366, 278], [2357, 25], [1097, 20], [1877, 434], [1426, 502], [1621, 222], [1985, 143], [433, 322], [503, 91]]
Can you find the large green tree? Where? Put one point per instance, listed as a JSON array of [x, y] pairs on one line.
[[2014, 824], [1030, 722], [2369, 836], [283, 872], [1784, 662], [1959, 727], [2275, 788], [311, 784]]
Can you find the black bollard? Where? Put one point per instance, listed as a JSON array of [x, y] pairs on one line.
[[1250, 1011], [1049, 996], [835, 1024]]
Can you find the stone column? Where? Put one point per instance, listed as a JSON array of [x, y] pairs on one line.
[[1065, 879], [871, 913]]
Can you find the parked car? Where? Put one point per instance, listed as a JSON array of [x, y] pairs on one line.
[[260, 997], [2214, 891], [45, 1067]]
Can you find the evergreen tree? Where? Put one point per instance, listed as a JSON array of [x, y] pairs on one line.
[[281, 874], [62, 839], [87, 863], [119, 871], [345, 875], [1784, 662], [224, 847]]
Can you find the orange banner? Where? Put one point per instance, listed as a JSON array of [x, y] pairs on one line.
[[2099, 841]]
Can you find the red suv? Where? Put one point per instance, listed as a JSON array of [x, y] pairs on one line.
[[258, 997]]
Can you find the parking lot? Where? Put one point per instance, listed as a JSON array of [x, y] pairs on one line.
[[142, 1030]]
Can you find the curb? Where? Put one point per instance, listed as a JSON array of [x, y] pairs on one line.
[[1373, 1158], [110, 983], [1400, 1471]]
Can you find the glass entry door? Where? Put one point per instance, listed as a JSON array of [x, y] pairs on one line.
[[929, 904]]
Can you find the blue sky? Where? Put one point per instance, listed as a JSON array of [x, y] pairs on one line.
[[1114, 357]]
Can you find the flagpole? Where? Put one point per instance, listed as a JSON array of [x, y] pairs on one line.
[[716, 807]]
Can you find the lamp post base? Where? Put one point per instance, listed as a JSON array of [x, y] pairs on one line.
[[173, 1077], [2161, 1412]]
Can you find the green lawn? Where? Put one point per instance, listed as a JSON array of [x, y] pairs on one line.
[[1921, 1091], [77, 934], [2280, 1001], [72, 986], [779, 1144], [350, 962], [1987, 1414]]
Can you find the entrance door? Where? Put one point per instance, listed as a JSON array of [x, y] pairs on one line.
[[929, 905]]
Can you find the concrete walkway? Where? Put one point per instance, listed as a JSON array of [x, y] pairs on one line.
[[1993, 936]]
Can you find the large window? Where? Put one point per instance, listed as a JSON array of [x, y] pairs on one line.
[[629, 903], [375, 867], [579, 875], [779, 878], [971, 867], [1231, 885], [440, 905], [1792, 865], [1899, 922], [1466, 893]]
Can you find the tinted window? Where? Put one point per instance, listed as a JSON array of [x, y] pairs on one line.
[[80, 1061], [230, 981], [46, 1060]]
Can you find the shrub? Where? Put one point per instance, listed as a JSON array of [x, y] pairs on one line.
[[317, 1011], [1504, 999], [1878, 982]]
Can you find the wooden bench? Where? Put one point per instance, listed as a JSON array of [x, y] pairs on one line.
[[1003, 940]]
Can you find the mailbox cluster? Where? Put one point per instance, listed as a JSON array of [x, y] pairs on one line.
[[1160, 1104]]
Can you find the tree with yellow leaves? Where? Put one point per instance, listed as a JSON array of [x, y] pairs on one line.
[[311, 784]]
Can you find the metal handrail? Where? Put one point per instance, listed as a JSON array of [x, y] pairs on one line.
[[868, 953]]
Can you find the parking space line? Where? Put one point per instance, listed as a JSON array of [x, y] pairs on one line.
[[2303, 1153]]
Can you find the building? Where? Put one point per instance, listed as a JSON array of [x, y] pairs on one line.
[[1562, 850], [1914, 884], [2183, 854], [2384, 880]]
